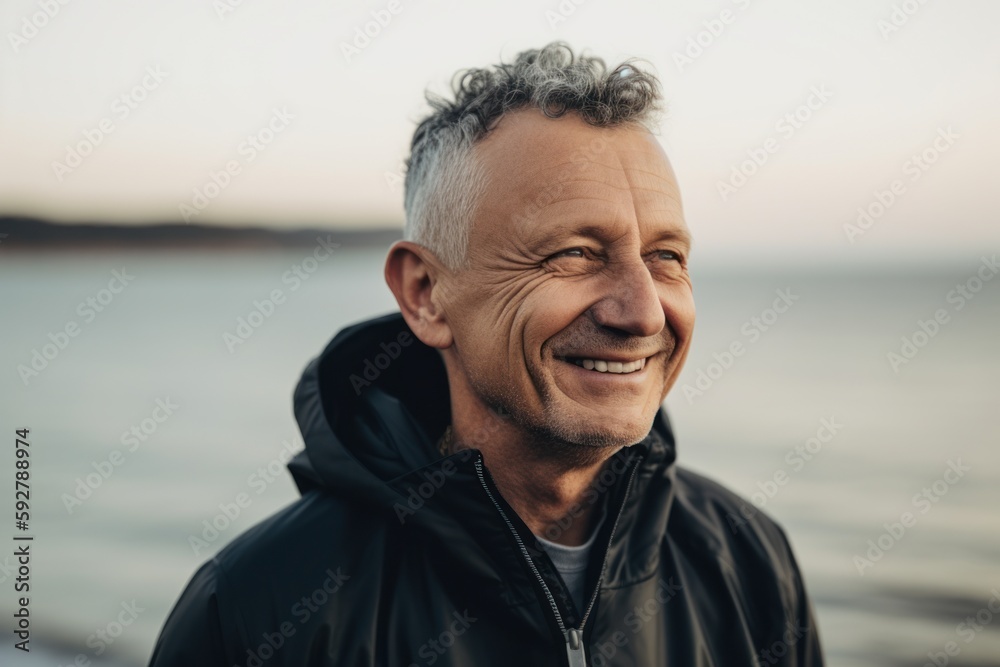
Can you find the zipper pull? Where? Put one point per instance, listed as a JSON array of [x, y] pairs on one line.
[[574, 648]]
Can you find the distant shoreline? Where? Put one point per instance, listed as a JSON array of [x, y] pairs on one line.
[[19, 233]]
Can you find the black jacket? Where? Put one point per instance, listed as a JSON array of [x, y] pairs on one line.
[[396, 556]]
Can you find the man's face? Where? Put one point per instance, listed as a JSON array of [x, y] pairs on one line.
[[575, 312]]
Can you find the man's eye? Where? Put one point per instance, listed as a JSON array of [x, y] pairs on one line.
[[668, 255], [571, 252]]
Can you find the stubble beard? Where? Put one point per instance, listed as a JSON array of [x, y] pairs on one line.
[[556, 436]]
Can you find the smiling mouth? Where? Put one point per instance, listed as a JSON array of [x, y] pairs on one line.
[[605, 366]]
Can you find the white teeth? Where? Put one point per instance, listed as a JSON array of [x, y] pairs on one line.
[[602, 366]]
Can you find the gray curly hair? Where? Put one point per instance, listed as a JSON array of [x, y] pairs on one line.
[[443, 181]]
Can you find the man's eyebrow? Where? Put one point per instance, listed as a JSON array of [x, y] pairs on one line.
[[565, 228], [681, 235], [597, 231]]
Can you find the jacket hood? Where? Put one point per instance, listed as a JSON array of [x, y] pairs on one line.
[[371, 408]]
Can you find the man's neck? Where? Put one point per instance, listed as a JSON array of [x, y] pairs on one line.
[[551, 500], [549, 493]]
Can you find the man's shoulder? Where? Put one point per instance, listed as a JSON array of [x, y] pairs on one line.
[[318, 531], [718, 536], [727, 522], [273, 575]]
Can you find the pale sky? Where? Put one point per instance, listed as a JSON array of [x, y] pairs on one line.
[[886, 80]]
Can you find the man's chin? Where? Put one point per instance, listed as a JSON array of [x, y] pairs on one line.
[[602, 431]]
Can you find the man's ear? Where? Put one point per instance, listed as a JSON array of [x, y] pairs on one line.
[[413, 273]]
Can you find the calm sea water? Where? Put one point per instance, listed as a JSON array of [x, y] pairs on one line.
[[810, 416]]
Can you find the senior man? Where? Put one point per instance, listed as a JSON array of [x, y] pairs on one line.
[[489, 477]]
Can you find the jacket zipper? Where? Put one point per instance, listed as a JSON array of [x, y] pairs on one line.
[[575, 649]]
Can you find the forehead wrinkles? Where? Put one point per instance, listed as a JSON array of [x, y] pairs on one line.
[[544, 167], [655, 194], [525, 145], [577, 174], [531, 173], [617, 193]]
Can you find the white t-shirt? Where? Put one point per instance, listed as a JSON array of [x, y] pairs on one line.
[[571, 562]]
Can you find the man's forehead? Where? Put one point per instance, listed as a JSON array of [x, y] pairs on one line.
[[561, 166], [528, 143]]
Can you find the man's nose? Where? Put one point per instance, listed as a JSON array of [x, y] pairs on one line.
[[631, 303]]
